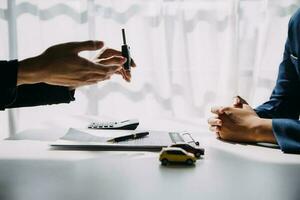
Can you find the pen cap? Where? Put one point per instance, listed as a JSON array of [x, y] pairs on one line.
[[126, 54]]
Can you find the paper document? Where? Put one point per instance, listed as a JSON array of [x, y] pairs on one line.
[[80, 136], [98, 139]]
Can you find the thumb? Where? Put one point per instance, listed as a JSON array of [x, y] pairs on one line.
[[89, 45], [227, 110], [238, 102]]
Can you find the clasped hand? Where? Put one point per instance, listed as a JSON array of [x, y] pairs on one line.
[[240, 123]]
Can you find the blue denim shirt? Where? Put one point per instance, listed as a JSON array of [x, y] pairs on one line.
[[284, 104]]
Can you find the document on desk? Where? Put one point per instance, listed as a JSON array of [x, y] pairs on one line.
[[97, 140]]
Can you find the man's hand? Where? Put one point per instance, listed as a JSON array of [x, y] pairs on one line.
[[61, 65], [103, 57], [215, 122], [237, 124], [241, 124]]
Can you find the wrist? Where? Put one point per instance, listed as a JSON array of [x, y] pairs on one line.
[[29, 71], [264, 132]]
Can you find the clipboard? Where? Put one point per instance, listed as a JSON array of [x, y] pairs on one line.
[[97, 140]]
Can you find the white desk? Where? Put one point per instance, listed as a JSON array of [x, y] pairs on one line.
[[30, 170]]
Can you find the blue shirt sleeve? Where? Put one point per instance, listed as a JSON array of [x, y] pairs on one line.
[[287, 134], [284, 104]]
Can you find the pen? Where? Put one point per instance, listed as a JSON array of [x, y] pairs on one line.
[[128, 137], [125, 52]]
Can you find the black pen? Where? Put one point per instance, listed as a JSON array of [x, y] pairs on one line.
[[128, 137]]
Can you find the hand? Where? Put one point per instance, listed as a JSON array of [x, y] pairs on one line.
[[237, 124], [61, 65], [241, 125], [215, 122], [102, 58]]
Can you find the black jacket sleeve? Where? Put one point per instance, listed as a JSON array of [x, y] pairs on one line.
[[8, 82], [12, 96]]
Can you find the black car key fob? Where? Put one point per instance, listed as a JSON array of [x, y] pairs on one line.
[[126, 52]]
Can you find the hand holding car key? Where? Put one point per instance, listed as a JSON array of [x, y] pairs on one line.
[[109, 54]]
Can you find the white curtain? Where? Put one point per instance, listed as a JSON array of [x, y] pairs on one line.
[[191, 54]]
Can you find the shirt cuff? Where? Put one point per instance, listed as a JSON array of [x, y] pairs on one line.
[[287, 134]]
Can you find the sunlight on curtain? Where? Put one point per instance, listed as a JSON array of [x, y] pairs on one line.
[[191, 54]]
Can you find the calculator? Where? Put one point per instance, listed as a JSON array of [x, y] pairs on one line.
[[130, 124]]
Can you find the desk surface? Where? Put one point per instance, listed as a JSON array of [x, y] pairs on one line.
[[32, 170]]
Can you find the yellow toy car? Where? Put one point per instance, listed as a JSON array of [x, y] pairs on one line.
[[176, 155]]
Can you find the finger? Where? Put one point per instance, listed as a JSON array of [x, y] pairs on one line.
[[217, 110], [104, 69], [215, 129], [243, 101], [112, 52], [122, 72], [113, 60], [214, 121], [127, 74], [93, 67], [132, 63], [89, 45], [100, 79], [227, 110], [109, 53], [237, 102], [119, 72], [90, 67]]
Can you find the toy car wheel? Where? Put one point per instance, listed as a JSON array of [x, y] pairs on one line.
[[164, 161], [198, 154], [189, 161]]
